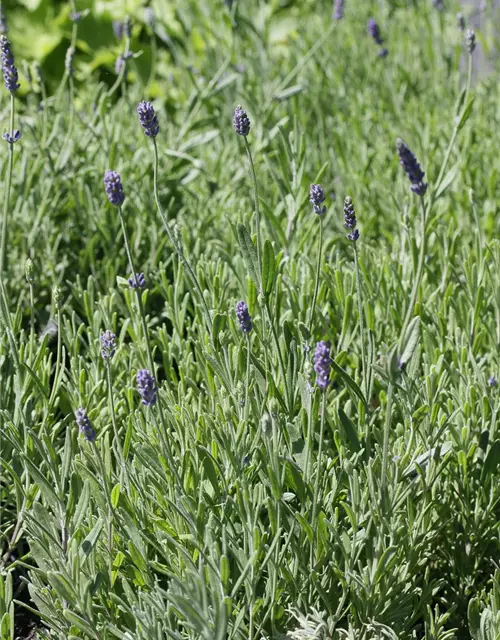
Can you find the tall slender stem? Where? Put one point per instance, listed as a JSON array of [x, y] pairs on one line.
[[256, 201], [174, 242], [112, 410], [318, 270], [385, 446], [318, 466], [361, 319], [5, 217], [278, 349], [418, 275]]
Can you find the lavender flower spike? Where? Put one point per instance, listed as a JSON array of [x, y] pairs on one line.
[[470, 40], [241, 121], [146, 386], [108, 345], [461, 21], [316, 198], [374, 31], [492, 381], [413, 170], [148, 119], [322, 364], [11, 138], [243, 316], [10, 75], [84, 424], [4, 28], [350, 221], [113, 187], [138, 283], [338, 9]]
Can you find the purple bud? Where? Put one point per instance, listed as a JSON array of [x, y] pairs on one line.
[[108, 345], [338, 9], [470, 40], [492, 381], [241, 121], [146, 386], [148, 119], [243, 316], [374, 31], [118, 29], [138, 283], [11, 138], [438, 4], [413, 170], [350, 221], [76, 16], [84, 424], [461, 21], [317, 197], [113, 187], [10, 75], [322, 364]]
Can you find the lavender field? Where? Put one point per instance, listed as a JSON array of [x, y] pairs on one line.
[[249, 320]]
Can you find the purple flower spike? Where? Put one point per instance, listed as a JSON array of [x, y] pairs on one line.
[[383, 53], [241, 122], [413, 170], [492, 382], [84, 424], [350, 221], [10, 75], [146, 386], [11, 138], [118, 29], [322, 364], [108, 345], [113, 187], [470, 40], [317, 197], [148, 119], [374, 31], [338, 9], [138, 283], [243, 316], [76, 16]]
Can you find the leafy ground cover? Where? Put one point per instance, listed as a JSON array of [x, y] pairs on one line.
[[233, 405]]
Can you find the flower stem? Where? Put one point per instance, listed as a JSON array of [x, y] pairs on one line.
[[3, 241], [174, 242], [318, 466], [417, 277], [318, 270], [256, 201], [280, 357], [361, 320], [385, 446]]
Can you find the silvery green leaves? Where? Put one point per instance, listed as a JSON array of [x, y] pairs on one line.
[[263, 279]]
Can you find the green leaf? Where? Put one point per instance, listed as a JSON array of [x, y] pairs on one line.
[[89, 543], [447, 180], [491, 461], [465, 114], [80, 622], [62, 586], [268, 267], [412, 340], [115, 495], [349, 381], [349, 430], [474, 618], [249, 253]]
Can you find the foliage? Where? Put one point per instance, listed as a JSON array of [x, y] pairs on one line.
[[246, 503]]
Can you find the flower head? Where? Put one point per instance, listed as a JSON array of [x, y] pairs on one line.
[[12, 137], [243, 316], [461, 21], [241, 122], [438, 4], [413, 170], [374, 31], [350, 221], [76, 16], [148, 119], [492, 381], [322, 364], [146, 386], [84, 424], [108, 345], [470, 40], [139, 282], [316, 198], [118, 29], [10, 75], [338, 9], [113, 187]]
